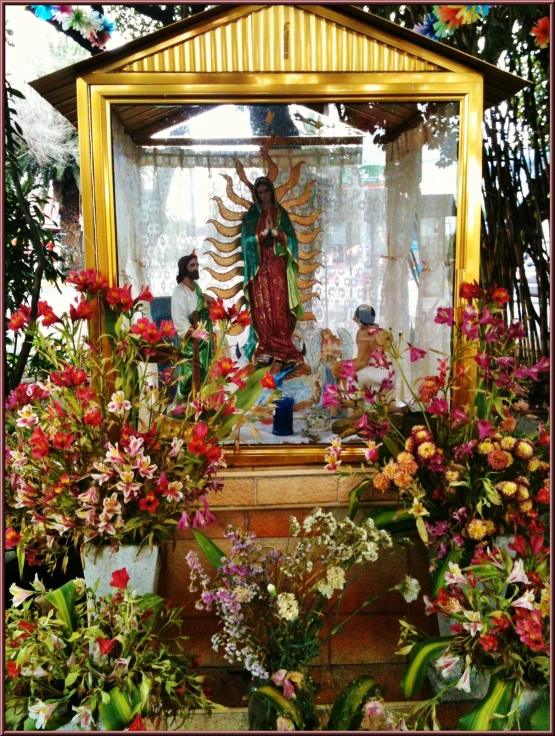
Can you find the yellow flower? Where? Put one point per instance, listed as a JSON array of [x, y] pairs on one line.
[[476, 529], [507, 487], [390, 470], [484, 448], [490, 527], [426, 449], [452, 476], [524, 450], [402, 479], [421, 435], [526, 506], [508, 443], [418, 509], [523, 493]]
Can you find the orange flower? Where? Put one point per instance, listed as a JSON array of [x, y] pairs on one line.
[[541, 32], [381, 482]]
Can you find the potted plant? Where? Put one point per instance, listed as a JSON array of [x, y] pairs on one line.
[[274, 607], [465, 474], [96, 662], [499, 606], [96, 455]]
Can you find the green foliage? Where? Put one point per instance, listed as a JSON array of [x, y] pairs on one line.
[[420, 656], [496, 703], [347, 713]]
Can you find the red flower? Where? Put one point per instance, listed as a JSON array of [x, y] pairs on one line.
[[149, 503], [89, 281], [13, 669], [544, 438], [20, 319], [217, 311], [444, 316], [167, 329], [489, 642], [119, 298], [106, 645], [501, 623], [470, 291], [485, 429], [268, 381], [39, 443], [83, 310], [439, 407], [500, 296], [138, 724], [45, 311], [543, 495], [243, 318], [93, 417], [530, 631], [63, 441], [541, 32], [213, 453], [196, 446], [449, 14], [145, 295], [70, 376], [120, 578], [26, 626], [225, 367], [12, 538]]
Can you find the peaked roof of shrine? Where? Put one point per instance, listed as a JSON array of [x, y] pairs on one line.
[[322, 38]]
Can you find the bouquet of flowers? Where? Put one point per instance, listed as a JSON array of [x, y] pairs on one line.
[[499, 608], [74, 657], [274, 605], [93, 451], [466, 473]]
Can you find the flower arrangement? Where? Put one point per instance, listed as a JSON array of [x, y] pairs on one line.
[[499, 609], [74, 657], [466, 474], [95, 451], [273, 605], [88, 22]]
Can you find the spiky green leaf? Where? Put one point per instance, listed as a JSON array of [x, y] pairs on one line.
[[497, 702], [421, 655], [347, 713], [212, 553]]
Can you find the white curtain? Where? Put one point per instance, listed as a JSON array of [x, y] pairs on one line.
[[402, 177]]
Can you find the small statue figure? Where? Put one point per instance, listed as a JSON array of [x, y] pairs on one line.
[[271, 257], [189, 307], [369, 337]]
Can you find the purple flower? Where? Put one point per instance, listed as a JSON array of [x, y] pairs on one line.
[[460, 515], [505, 361], [379, 359], [444, 316], [387, 383], [426, 28], [199, 519], [459, 541], [485, 429], [470, 330], [486, 318], [516, 331], [441, 528], [416, 353], [465, 449], [439, 407], [442, 550], [184, 522], [483, 360], [435, 463]]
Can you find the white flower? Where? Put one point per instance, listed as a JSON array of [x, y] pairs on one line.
[[464, 682], [336, 577], [446, 662], [284, 724], [84, 716], [38, 584], [27, 417], [323, 587], [19, 594], [119, 404], [175, 447], [288, 607], [525, 601], [517, 573], [294, 526], [409, 588], [40, 712], [374, 708], [475, 623], [272, 590], [38, 671], [455, 575]]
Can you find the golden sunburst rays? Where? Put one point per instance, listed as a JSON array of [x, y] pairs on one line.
[[226, 253]]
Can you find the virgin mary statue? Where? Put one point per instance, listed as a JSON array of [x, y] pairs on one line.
[[271, 256]]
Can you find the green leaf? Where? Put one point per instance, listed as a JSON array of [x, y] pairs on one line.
[[63, 600], [117, 711], [283, 707], [70, 678], [246, 398], [438, 579], [355, 495], [20, 559], [497, 702], [391, 446], [421, 529], [212, 553], [347, 714], [394, 521], [419, 658], [539, 720]]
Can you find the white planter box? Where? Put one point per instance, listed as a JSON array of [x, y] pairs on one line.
[[142, 567]]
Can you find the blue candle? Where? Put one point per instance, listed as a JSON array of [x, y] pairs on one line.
[[283, 417]]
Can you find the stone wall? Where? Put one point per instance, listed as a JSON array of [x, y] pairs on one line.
[[262, 501]]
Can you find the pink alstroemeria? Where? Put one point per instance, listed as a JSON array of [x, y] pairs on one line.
[[416, 353], [446, 662], [485, 429], [474, 624], [459, 417], [439, 407], [279, 677], [115, 455], [348, 369], [200, 333], [455, 576], [184, 522], [517, 573], [371, 453], [331, 396], [444, 316], [374, 708], [135, 446], [464, 682], [525, 601], [483, 360]]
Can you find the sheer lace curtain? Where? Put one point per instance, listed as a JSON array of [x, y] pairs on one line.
[[402, 178]]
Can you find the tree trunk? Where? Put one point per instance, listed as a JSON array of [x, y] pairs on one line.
[[67, 194]]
